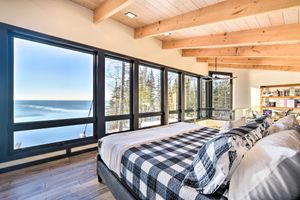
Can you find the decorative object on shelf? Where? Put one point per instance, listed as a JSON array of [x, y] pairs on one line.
[[267, 112], [280, 99]]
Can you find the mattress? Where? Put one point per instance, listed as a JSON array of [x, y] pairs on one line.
[[113, 147], [155, 170]]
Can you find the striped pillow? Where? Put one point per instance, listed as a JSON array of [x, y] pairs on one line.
[[213, 163], [216, 161]]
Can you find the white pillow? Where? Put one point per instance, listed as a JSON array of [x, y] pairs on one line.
[[233, 124], [286, 123], [270, 170]]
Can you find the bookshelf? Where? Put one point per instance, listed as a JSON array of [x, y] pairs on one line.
[[278, 99]]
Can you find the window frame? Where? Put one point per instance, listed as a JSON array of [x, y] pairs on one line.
[[178, 111], [44, 124], [129, 116], [197, 98], [7, 153], [162, 98], [207, 99], [210, 93]]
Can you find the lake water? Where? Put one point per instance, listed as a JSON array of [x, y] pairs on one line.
[[36, 110]]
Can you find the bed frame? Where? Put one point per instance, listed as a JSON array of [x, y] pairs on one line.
[[117, 187]]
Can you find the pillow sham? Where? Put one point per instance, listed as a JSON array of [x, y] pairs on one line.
[[233, 124], [270, 170], [213, 163], [286, 123], [216, 160]]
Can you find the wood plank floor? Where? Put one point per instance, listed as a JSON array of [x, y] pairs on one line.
[[69, 178]]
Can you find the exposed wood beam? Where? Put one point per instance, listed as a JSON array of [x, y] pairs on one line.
[[261, 36], [254, 61], [257, 67], [220, 12], [109, 8], [290, 50]]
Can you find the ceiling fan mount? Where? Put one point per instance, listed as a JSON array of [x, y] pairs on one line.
[[209, 78]]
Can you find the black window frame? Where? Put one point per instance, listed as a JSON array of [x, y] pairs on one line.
[[197, 98], [8, 126], [129, 116], [178, 111], [7, 152], [210, 93], [204, 82], [160, 113], [44, 124]]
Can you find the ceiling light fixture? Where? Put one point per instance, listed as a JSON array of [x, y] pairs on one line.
[[130, 15], [167, 34]]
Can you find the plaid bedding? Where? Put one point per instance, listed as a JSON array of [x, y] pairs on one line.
[[156, 170]]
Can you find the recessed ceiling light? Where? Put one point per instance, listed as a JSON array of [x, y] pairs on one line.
[[130, 15]]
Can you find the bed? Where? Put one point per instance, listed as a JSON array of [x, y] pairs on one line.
[[151, 164]]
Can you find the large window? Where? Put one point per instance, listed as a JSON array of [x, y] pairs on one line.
[[190, 97], [173, 96], [221, 95], [117, 94], [58, 95], [50, 83], [149, 94]]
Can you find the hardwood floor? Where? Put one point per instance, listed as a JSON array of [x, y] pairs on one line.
[[69, 178]]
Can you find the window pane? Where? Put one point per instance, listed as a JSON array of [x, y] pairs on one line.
[[221, 96], [221, 115], [203, 98], [190, 115], [190, 93], [204, 113], [117, 126], [23, 139], [149, 89], [149, 121], [221, 92], [173, 118], [51, 82], [173, 81], [203, 93], [117, 87]]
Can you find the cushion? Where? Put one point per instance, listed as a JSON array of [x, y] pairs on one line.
[[213, 163], [285, 123], [216, 160], [270, 170], [233, 124]]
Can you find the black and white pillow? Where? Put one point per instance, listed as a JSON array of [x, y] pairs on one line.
[[213, 162], [216, 161]]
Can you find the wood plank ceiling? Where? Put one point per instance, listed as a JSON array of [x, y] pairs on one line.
[[213, 29]]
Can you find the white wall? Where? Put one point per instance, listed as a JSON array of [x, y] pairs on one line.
[[247, 85], [65, 19]]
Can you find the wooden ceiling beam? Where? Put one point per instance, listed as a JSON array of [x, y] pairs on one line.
[[290, 50], [254, 61], [257, 67], [253, 37], [109, 8], [216, 13]]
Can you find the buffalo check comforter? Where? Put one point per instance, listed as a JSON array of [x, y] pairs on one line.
[[156, 170]]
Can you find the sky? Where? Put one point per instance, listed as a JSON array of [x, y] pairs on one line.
[[44, 72]]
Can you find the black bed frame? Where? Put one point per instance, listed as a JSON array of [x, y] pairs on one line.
[[117, 187]]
